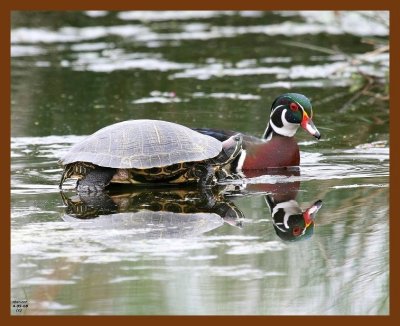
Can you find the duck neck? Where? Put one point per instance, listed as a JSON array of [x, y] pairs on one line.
[[268, 133], [287, 132]]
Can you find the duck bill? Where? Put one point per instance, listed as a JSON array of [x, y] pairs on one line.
[[308, 125], [311, 212]]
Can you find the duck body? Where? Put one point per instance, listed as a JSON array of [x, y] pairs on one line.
[[258, 153], [278, 152], [277, 148]]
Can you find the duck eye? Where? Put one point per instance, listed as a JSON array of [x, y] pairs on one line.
[[294, 106], [296, 231]]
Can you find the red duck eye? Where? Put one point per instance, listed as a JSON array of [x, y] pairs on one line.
[[294, 106], [296, 231]]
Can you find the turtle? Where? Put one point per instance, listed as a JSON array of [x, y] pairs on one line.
[[148, 151]]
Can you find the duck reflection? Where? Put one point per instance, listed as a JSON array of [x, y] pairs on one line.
[[290, 221], [153, 213]]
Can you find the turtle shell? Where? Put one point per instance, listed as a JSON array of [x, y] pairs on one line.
[[143, 144]]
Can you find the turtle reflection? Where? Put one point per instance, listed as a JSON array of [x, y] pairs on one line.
[[150, 214]]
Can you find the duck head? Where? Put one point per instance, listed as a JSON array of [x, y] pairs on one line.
[[290, 222], [288, 112]]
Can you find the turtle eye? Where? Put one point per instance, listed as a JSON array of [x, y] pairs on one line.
[[294, 107]]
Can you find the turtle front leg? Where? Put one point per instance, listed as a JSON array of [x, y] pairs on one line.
[[96, 180], [205, 173]]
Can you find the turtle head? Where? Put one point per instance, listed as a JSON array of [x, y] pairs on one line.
[[231, 148], [288, 112]]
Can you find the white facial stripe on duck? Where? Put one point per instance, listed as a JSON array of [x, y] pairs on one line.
[[280, 124], [289, 208], [283, 212]]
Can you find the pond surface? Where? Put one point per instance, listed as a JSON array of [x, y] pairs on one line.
[[75, 72]]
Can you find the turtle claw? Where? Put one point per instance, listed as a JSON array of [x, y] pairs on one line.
[[223, 175], [87, 189], [234, 176]]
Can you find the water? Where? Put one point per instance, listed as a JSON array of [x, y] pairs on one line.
[[75, 72]]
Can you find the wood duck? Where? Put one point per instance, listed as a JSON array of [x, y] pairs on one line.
[[291, 223], [277, 147]]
